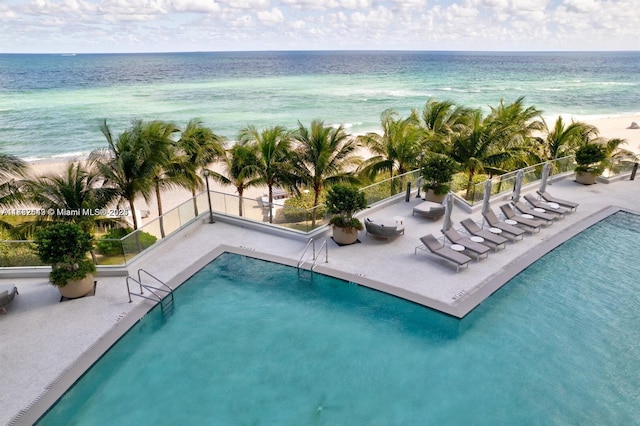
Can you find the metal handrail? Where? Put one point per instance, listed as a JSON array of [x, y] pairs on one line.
[[168, 290], [309, 243], [326, 255]]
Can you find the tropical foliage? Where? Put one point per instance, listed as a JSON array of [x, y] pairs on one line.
[[65, 247], [344, 201]]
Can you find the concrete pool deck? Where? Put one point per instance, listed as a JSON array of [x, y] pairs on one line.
[[46, 344]]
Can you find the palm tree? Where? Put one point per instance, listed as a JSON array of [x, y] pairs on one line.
[[397, 150], [480, 148], [176, 171], [515, 124], [201, 146], [273, 166], [11, 168], [324, 156], [77, 192], [441, 120], [240, 162], [130, 161], [562, 139]]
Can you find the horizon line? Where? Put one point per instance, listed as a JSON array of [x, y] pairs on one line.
[[70, 53]]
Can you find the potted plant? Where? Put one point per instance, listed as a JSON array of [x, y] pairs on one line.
[[589, 158], [343, 201], [65, 247], [437, 172]]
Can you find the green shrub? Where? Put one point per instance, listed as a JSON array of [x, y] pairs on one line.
[[65, 246], [344, 201], [437, 172], [298, 208], [112, 244], [589, 156]]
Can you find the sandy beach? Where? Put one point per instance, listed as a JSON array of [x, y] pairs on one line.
[[611, 127]]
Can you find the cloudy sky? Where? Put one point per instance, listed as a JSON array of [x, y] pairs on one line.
[[54, 26]]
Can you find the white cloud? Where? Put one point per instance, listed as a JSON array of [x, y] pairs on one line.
[[271, 17], [195, 6], [108, 25]]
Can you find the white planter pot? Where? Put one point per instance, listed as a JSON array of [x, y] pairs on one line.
[[77, 288]]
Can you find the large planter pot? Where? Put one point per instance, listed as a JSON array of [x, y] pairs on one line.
[[344, 236], [77, 288], [430, 196], [586, 178]]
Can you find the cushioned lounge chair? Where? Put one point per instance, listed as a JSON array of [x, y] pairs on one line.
[[7, 294], [544, 217], [492, 240], [531, 225], [564, 203], [429, 209], [382, 229], [475, 249], [557, 211], [508, 231], [432, 244]]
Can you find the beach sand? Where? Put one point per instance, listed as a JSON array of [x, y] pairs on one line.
[[611, 127], [619, 127]]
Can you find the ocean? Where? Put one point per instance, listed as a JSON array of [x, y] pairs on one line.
[[52, 105]]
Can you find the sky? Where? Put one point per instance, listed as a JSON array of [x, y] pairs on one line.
[[105, 26]]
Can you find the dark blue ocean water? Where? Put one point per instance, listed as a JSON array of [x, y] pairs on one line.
[[52, 105]]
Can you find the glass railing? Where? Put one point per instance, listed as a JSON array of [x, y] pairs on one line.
[[505, 184], [620, 167], [390, 187], [278, 214], [18, 253]]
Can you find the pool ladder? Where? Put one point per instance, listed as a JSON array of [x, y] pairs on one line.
[[162, 294], [316, 258]]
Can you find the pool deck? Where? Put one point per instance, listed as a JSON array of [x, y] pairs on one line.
[[46, 343]]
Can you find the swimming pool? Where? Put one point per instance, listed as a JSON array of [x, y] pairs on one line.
[[250, 343]]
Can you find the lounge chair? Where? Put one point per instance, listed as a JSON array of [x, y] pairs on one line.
[[476, 249], [382, 229], [564, 203], [552, 208], [429, 209], [433, 245], [543, 216], [7, 294], [495, 241], [508, 231], [531, 225]]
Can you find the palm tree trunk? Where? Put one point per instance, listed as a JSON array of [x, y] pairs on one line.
[[240, 201], [132, 209], [270, 204], [135, 227], [469, 184], [195, 203], [314, 212], [160, 218]]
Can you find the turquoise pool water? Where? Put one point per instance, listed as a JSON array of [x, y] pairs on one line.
[[251, 344]]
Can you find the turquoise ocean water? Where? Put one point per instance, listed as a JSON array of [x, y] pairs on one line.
[[52, 105], [251, 344]]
